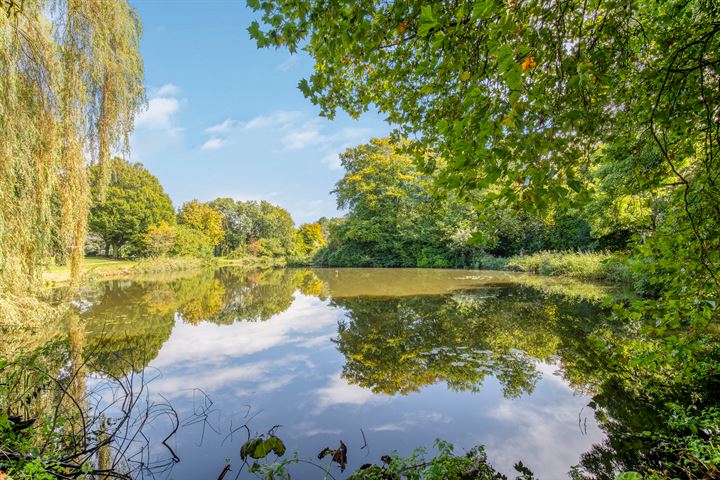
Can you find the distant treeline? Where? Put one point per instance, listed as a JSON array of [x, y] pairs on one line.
[[137, 219], [396, 217]]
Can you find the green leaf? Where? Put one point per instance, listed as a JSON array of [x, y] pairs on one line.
[[629, 476], [427, 20], [483, 9], [248, 447], [258, 448], [575, 185]]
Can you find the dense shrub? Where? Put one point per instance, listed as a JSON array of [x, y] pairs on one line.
[[592, 266], [190, 242]]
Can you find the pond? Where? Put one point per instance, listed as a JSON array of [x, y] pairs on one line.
[[382, 359]]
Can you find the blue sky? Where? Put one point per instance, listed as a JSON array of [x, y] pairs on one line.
[[225, 119]]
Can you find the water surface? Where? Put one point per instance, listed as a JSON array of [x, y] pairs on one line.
[[381, 359]]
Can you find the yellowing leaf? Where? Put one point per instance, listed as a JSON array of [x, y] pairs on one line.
[[529, 63]]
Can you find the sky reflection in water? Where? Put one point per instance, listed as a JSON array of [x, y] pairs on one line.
[[402, 356]]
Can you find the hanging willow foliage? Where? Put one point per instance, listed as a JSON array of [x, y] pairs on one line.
[[70, 86]]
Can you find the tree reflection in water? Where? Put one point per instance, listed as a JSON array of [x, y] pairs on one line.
[[401, 331]]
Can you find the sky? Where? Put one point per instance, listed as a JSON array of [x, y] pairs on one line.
[[225, 119]]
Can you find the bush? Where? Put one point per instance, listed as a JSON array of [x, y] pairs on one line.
[[168, 264], [190, 242], [430, 257], [271, 247], [586, 265], [160, 239], [485, 261]]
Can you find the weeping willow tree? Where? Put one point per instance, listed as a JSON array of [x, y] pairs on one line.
[[70, 86]]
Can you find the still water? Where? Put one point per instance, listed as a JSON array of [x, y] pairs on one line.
[[381, 359]]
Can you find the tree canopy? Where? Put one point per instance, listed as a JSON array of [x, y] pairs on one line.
[[249, 223], [203, 218], [134, 201], [398, 217]]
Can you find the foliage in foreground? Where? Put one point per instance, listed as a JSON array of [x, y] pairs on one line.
[[442, 465]]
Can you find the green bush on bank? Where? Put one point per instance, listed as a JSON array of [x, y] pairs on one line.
[[170, 264], [609, 267]]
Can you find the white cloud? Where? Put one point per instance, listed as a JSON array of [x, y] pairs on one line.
[[332, 160], [223, 127], [159, 114], [167, 90], [280, 118], [161, 109], [306, 137], [287, 64], [300, 133], [214, 143]]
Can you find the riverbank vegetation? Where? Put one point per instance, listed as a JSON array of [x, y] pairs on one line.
[[525, 129], [592, 108], [398, 217]]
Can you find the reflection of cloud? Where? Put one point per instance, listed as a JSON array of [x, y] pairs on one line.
[[315, 342], [411, 421], [390, 427], [535, 425], [304, 429], [243, 338], [340, 392], [256, 376], [551, 373], [322, 431], [267, 386]]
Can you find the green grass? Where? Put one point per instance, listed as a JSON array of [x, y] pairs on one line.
[[602, 266], [90, 263], [607, 267], [102, 267], [170, 264]]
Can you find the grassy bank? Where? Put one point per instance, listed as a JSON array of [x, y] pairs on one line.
[[100, 267], [606, 267]]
